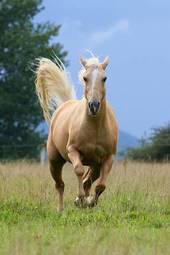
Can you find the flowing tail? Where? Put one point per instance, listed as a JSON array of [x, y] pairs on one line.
[[52, 85]]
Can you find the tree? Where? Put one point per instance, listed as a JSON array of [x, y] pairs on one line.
[[22, 41], [156, 148]]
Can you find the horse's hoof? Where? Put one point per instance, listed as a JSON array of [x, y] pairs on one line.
[[91, 201], [80, 202]]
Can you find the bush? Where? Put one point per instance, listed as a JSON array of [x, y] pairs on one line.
[[155, 148]]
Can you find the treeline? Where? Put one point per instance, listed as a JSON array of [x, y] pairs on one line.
[[155, 148], [21, 42]]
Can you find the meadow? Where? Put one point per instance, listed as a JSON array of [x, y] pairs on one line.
[[132, 216]]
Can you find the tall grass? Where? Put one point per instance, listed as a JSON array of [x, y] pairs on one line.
[[132, 217]]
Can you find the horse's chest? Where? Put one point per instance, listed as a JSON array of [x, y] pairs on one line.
[[92, 153], [93, 146], [98, 149]]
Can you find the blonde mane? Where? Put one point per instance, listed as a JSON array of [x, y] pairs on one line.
[[94, 61]]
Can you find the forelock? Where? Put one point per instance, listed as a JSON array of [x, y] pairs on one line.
[[91, 62]]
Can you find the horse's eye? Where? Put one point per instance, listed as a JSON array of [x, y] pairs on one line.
[[85, 79], [104, 79]]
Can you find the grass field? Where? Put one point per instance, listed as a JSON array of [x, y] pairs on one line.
[[132, 217]]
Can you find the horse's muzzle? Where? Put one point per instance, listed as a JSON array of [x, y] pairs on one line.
[[94, 107]]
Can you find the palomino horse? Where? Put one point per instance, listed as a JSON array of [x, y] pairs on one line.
[[83, 132]]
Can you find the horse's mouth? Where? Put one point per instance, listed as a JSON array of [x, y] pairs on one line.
[[93, 114], [93, 111]]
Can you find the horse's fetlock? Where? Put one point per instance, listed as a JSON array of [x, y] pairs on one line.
[[87, 184]]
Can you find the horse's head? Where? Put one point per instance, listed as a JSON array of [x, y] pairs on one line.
[[94, 77]]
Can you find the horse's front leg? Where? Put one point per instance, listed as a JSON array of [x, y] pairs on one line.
[[74, 157], [101, 184]]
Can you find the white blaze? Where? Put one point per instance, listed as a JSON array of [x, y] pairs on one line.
[[94, 77]]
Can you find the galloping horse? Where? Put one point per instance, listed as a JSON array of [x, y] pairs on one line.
[[83, 132]]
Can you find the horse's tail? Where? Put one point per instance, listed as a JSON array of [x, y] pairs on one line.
[[52, 85]]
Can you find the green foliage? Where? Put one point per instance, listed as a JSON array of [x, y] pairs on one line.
[[156, 148], [21, 41]]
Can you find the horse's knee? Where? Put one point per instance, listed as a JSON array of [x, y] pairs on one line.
[[79, 169]]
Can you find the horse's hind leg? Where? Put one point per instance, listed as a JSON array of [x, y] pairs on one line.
[[56, 166]]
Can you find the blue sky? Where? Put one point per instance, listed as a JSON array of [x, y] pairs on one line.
[[136, 37]]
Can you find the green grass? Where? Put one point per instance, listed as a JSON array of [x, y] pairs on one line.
[[132, 217]]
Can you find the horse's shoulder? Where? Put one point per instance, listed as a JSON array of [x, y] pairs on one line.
[[112, 121]]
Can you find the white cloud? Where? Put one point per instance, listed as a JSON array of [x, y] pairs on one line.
[[100, 37]]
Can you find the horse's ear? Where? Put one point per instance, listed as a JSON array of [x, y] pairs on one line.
[[105, 63], [83, 61]]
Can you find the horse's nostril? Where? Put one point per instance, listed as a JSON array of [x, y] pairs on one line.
[[94, 106]]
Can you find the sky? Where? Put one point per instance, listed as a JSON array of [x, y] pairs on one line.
[[136, 37]]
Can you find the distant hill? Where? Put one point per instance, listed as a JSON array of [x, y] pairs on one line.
[[126, 141]]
